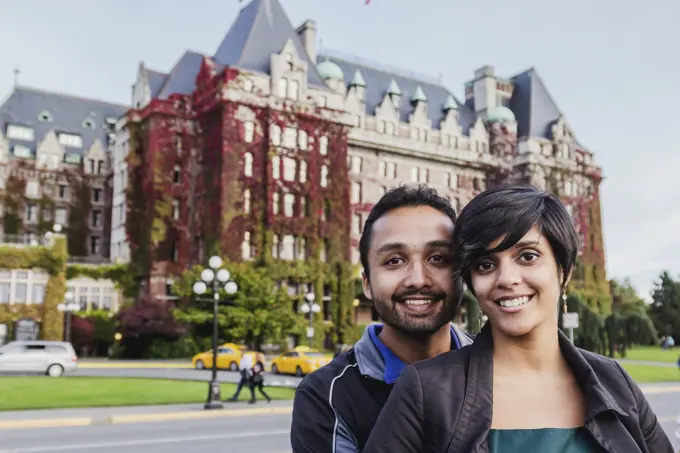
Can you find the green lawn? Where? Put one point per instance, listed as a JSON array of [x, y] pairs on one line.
[[649, 373], [653, 354], [66, 392]]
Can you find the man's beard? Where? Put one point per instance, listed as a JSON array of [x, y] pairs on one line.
[[390, 313]]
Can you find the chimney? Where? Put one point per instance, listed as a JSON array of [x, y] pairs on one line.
[[484, 88], [307, 34]]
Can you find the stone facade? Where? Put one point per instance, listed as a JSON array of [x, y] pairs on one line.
[[401, 128]]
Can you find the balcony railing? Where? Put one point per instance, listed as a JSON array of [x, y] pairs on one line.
[[89, 260], [22, 240]]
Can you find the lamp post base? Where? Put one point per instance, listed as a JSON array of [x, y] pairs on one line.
[[214, 398]]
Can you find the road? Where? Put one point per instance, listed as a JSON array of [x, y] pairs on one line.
[[181, 373], [251, 433]]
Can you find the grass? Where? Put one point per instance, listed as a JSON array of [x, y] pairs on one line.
[[646, 374], [22, 393], [652, 354]]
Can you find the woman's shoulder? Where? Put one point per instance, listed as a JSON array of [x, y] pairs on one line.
[[449, 364], [612, 376]]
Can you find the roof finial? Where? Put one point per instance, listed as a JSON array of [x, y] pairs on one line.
[[17, 71]]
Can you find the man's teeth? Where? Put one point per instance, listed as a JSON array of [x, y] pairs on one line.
[[418, 301], [515, 302]]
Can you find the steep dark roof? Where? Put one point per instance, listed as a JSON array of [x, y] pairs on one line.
[[378, 81], [67, 112], [261, 29], [533, 106], [182, 77], [156, 81]]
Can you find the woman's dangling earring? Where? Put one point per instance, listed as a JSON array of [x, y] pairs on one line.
[[564, 301]]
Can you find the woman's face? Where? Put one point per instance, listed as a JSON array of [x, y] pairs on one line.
[[519, 288]]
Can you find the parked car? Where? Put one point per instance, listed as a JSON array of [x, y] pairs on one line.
[[300, 361], [53, 358], [228, 357]]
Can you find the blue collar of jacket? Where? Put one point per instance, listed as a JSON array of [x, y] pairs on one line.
[[377, 361]]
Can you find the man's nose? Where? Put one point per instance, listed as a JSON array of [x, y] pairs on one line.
[[418, 275]]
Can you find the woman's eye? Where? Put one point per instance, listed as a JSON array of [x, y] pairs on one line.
[[485, 266], [528, 257]]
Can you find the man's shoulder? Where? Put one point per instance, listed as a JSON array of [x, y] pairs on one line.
[[333, 374]]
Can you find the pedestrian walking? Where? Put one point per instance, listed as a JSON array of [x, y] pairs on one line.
[[245, 368], [257, 382]]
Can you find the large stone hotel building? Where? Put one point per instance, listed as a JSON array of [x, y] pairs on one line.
[[272, 150]]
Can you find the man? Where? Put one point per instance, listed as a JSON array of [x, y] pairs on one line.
[[406, 255], [244, 367]]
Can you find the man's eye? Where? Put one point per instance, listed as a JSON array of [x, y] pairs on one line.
[[439, 258], [393, 261]]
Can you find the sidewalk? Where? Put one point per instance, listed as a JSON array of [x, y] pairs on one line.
[[53, 418]]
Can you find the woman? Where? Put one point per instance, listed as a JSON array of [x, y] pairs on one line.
[[522, 386], [257, 382]]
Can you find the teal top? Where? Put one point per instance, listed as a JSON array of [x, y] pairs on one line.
[[545, 440]]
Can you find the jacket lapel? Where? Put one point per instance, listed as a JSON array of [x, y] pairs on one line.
[[474, 421]]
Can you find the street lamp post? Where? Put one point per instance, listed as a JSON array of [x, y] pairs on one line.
[[310, 307], [215, 277], [68, 307]]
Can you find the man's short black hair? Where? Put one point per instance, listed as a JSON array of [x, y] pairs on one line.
[[510, 211], [399, 197]]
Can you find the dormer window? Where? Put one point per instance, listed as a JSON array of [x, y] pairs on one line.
[[45, 117], [23, 133], [71, 140], [358, 83], [22, 151], [294, 90], [283, 87], [71, 158], [395, 93], [89, 123]]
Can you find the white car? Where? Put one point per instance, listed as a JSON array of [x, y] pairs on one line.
[[53, 358]]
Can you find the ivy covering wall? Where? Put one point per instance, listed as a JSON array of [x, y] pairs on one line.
[[210, 130], [52, 259]]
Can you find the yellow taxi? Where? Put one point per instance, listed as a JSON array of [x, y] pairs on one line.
[[300, 361], [228, 357]]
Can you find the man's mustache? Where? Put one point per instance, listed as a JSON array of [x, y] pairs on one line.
[[400, 297]]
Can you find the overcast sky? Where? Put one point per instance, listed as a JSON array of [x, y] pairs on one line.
[[613, 67]]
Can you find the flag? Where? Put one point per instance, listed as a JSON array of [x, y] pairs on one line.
[[368, 1]]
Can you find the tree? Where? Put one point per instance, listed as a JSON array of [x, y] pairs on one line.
[[665, 307], [629, 323], [590, 334], [82, 332], [258, 313], [473, 313], [145, 322]]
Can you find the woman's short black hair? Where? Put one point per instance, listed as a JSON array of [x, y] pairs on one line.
[[510, 211]]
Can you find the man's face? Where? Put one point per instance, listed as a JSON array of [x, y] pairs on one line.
[[411, 275]]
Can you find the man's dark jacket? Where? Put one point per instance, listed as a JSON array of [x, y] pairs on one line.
[[336, 406], [445, 404]]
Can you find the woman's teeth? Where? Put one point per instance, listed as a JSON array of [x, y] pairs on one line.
[[516, 302]]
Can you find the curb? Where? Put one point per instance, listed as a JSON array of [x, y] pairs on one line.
[[138, 418]]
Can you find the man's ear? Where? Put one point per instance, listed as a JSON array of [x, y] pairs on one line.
[[366, 286]]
